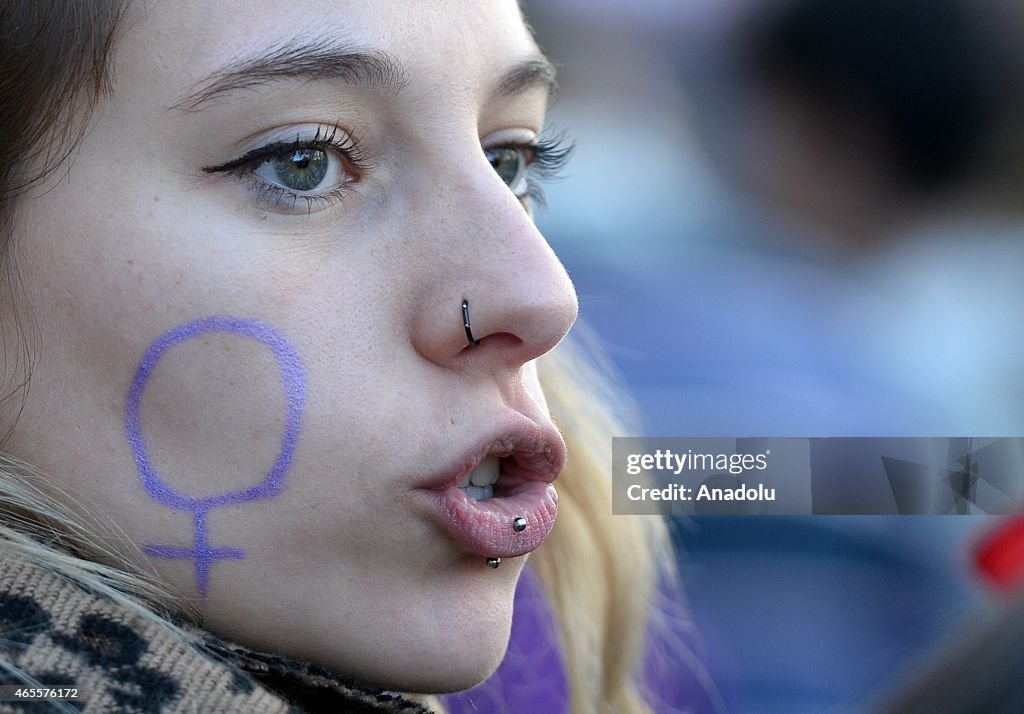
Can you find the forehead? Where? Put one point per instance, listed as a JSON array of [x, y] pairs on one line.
[[460, 44]]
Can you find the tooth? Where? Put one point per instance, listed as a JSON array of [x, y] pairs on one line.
[[480, 493], [465, 481], [486, 472]]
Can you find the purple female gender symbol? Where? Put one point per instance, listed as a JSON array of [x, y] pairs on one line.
[[293, 377]]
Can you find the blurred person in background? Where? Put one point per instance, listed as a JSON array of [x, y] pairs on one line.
[[883, 130], [763, 259]]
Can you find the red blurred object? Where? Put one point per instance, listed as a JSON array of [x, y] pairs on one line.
[[1000, 555]]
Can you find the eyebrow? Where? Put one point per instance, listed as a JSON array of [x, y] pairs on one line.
[[309, 60], [318, 60], [536, 71]]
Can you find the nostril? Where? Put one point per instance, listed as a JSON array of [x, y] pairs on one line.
[[497, 341]]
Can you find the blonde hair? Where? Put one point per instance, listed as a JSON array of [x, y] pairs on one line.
[[600, 571]]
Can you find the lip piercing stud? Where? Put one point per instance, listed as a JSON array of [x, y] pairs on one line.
[[493, 562], [469, 331], [519, 524]]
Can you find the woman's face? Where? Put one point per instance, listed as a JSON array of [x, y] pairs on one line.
[[250, 350]]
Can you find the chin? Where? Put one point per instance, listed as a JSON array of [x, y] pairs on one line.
[[434, 668], [459, 651], [458, 677], [447, 635]]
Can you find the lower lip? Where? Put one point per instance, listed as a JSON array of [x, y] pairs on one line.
[[485, 527]]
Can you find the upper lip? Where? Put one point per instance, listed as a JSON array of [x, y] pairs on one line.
[[535, 452]]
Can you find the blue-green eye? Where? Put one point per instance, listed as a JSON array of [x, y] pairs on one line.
[[303, 169], [316, 171], [510, 163]]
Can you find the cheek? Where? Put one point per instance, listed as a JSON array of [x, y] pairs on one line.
[[531, 380], [212, 413], [214, 440]]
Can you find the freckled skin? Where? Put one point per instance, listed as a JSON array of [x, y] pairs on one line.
[[293, 376], [339, 567]]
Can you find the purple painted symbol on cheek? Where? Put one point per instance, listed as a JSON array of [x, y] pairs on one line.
[[294, 380]]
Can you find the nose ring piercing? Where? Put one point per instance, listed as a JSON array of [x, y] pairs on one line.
[[494, 562], [519, 524], [469, 335]]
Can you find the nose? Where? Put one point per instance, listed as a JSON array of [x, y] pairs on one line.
[[490, 255]]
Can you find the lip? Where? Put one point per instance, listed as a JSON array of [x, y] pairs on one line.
[[531, 456]]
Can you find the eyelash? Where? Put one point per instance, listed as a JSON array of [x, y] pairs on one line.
[[550, 156], [325, 139], [545, 157]]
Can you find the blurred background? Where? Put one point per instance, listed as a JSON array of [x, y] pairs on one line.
[[802, 218]]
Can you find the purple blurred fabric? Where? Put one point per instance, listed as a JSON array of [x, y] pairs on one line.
[[532, 678]]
